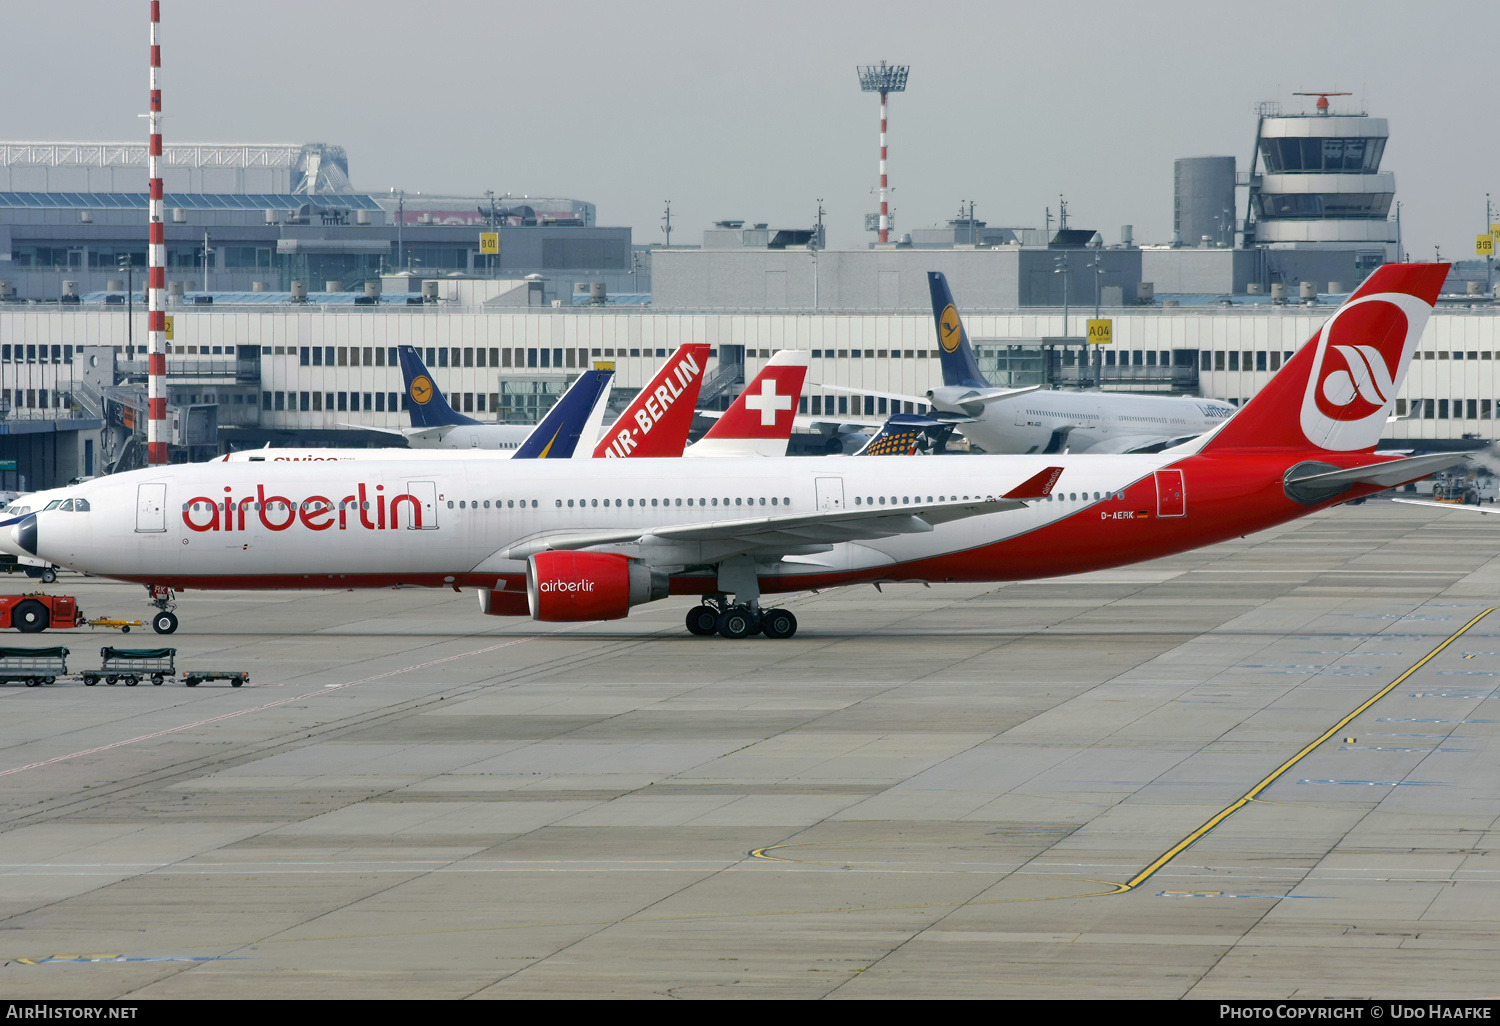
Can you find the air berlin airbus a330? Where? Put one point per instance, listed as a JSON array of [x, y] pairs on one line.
[[569, 540]]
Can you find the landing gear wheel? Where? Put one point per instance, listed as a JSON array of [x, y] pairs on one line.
[[30, 617], [49, 576], [164, 622], [736, 622], [703, 621], [778, 623]]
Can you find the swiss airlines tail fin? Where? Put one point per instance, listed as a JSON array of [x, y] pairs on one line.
[[957, 356], [759, 423], [1336, 393], [557, 434], [427, 406], [657, 422]]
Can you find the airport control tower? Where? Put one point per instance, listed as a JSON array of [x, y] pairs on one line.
[[1318, 183]]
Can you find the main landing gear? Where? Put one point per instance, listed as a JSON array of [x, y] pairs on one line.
[[163, 621], [717, 615]]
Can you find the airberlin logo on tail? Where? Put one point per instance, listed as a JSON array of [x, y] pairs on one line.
[[1361, 359], [1366, 378], [316, 512]]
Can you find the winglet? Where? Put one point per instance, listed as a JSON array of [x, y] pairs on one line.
[[1038, 486]]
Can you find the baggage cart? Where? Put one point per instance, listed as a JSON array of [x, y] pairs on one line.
[[236, 678], [33, 666], [133, 665]]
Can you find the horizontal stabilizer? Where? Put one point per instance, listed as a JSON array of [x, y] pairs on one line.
[[1312, 483]]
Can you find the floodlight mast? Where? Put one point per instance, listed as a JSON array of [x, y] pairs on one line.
[[883, 79]]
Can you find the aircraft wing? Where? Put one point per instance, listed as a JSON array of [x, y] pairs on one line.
[[1137, 443], [899, 397], [815, 422], [789, 532], [378, 430], [973, 395]]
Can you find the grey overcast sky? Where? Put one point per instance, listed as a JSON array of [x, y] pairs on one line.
[[753, 110]]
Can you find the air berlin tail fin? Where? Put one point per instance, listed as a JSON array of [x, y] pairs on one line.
[[759, 423], [657, 422], [1336, 393]]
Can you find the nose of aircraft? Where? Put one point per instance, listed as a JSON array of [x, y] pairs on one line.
[[23, 534]]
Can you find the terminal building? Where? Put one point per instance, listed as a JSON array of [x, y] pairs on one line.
[[289, 291]]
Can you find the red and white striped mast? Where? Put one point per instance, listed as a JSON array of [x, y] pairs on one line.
[[883, 79], [156, 280]]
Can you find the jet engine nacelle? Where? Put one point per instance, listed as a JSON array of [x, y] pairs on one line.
[[562, 587]]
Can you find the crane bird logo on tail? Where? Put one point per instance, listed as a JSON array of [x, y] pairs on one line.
[[952, 333]]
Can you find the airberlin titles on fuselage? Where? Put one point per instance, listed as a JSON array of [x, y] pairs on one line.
[[277, 512]]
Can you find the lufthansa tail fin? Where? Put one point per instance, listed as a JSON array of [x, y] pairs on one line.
[[425, 403], [1337, 392], [657, 422], [954, 352], [557, 435], [759, 423]]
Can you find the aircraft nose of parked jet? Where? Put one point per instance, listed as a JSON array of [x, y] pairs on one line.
[[24, 534]]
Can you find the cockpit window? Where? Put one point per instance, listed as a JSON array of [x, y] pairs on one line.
[[53, 504], [80, 505], [66, 507]]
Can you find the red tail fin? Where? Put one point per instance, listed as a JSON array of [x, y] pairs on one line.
[[657, 422], [1336, 393], [759, 423]]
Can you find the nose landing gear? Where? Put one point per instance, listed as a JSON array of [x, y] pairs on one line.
[[163, 621]]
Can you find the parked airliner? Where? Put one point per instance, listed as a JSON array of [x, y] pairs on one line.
[[1037, 420], [562, 540]]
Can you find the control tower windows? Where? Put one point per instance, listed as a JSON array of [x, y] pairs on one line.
[[1373, 206], [1284, 156]]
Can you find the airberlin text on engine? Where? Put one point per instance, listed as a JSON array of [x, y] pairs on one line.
[[316, 512]]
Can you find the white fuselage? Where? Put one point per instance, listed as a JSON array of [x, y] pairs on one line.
[[1080, 422], [339, 524], [503, 437]]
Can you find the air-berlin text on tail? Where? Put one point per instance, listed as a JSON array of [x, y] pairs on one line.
[[316, 512], [654, 406]]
